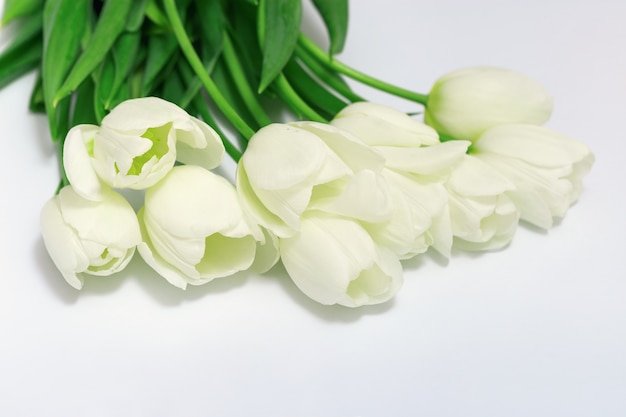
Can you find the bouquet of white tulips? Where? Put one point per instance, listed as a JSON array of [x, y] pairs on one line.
[[340, 190]]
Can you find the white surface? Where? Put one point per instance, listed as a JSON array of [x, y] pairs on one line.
[[538, 329]]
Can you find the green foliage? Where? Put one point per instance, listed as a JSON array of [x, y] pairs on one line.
[[335, 16]]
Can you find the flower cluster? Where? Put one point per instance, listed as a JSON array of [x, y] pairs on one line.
[[340, 203]]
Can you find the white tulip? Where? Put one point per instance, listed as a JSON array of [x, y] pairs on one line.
[[483, 217], [333, 260], [546, 168], [465, 103], [416, 166], [87, 237], [138, 143], [290, 168], [194, 229]]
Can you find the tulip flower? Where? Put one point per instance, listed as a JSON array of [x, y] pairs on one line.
[[545, 167], [136, 146], [416, 165], [483, 217], [333, 260], [290, 168], [89, 237], [194, 229], [465, 103]]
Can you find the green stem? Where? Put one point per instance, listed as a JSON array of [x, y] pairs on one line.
[[231, 150], [344, 69], [323, 73], [236, 71], [198, 67], [294, 101]]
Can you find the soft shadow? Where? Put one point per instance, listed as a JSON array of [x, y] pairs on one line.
[[332, 313], [51, 275], [168, 295]]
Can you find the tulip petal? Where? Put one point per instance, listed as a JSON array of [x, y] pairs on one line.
[[426, 160], [77, 162], [191, 202], [201, 146], [325, 255], [62, 244], [281, 156], [155, 261], [379, 125], [352, 151], [136, 115], [534, 144], [472, 177], [107, 222]]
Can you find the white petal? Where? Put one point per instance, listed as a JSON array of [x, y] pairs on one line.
[[201, 146], [111, 221], [267, 254], [280, 156], [156, 262], [349, 148], [77, 162], [472, 177], [135, 116], [379, 125], [63, 245], [426, 160], [193, 202], [534, 144], [365, 197], [326, 255]]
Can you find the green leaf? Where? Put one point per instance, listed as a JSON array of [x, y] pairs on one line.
[[64, 24], [110, 25], [14, 9], [136, 15], [162, 50], [212, 22], [84, 112], [278, 26], [24, 52], [125, 53], [335, 16], [312, 91], [36, 102], [103, 80]]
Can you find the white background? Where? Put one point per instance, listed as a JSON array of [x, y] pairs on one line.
[[537, 329]]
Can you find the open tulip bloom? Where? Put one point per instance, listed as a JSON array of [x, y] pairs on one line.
[[341, 190]]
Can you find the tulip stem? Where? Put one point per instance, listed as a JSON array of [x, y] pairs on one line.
[[321, 56], [236, 71], [293, 100], [203, 75], [201, 107]]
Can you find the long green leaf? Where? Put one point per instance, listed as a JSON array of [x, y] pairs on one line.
[[64, 24], [36, 102], [162, 50], [110, 25], [24, 52], [125, 53], [14, 9], [335, 16], [278, 26]]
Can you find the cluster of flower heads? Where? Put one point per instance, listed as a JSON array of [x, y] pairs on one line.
[[341, 204]]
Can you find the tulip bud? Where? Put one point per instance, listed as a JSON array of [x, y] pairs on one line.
[[87, 237], [194, 229], [466, 102]]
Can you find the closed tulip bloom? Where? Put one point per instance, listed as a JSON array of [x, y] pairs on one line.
[[483, 217], [545, 167], [290, 168], [465, 103], [136, 146], [84, 237], [194, 229], [333, 260]]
